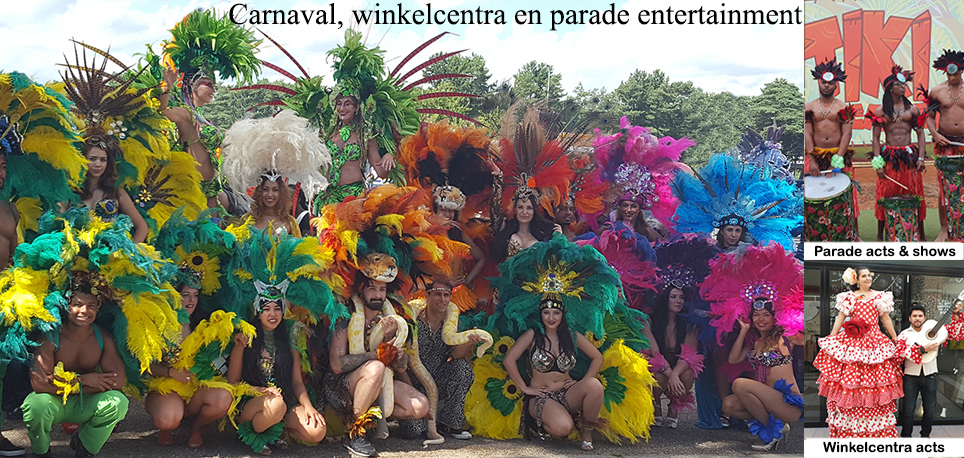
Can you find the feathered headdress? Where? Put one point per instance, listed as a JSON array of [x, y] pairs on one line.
[[725, 192], [533, 164], [683, 262], [271, 267], [829, 71], [39, 142], [204, 43], [275, 148], [387, 109], [738, 284], [74, 251], [388, 234], [950, 61], [641, 167], [578, 277], [631, 256], [897, 74], [451, 160], [117, 115], [586, 190], [761, 151]]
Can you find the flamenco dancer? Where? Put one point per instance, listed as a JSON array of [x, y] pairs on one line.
[[858, 373], [948, 136], [898, 160]]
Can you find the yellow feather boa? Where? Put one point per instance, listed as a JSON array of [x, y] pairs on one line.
[[67, 382]]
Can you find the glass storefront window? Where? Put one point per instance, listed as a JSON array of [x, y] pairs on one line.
[[937, 295]]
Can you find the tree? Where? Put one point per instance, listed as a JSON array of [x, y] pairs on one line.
[[537, 81], [780, 101], [230, 106]]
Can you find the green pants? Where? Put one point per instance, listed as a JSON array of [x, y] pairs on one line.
[[97, 418]]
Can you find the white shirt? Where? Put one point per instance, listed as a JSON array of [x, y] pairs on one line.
[[910, 367]]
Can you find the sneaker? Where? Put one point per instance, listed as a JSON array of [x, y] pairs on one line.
[[360, 446], [459, 434], [8, 449], [79, 450]]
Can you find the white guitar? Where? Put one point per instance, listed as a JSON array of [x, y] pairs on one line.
[[932, 332]]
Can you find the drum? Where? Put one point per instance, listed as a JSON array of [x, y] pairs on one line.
[[829, 210], [900, 218], [951, 171]]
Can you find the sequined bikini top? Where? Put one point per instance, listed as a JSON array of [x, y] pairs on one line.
[[340, 156], [772, 358], [545, 361], [514, 248], [211, 138]]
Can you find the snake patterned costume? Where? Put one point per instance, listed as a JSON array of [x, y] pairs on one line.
[[451, 337]]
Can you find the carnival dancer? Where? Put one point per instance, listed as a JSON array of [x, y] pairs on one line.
[[390, 242], [92, 259], [545, 290], [284, 275], [858, 373], [267, 152], [534, 178], [366, 115], [828, 124], [762, 285], [678, 364], [899, 163], [201, 44], [641, 166], [100, 193], [948, 136], [772, 398], [80, 358], [450, 163], [186, 382], [9, 219], [728, 193], [448, 364]]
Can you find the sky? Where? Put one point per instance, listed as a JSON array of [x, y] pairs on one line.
[[740, 59]]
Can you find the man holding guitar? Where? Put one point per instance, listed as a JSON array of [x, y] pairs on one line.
[[919, 344]]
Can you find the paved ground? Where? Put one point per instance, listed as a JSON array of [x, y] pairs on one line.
[[136, 437]]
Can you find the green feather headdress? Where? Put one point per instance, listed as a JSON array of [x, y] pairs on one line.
[[144, 313], [198, 247], [205, 43], [559, 270]]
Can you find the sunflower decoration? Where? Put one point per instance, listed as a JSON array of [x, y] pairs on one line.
[[494, 402], [198, 247], [500, 348], [138, 302], [39, 140]]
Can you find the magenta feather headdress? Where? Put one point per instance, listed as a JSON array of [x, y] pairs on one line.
[[767, 273], [642, 167], [631, 255]]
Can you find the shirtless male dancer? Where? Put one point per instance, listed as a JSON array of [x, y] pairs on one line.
[[828, 128], [945, 98], [898, 160]]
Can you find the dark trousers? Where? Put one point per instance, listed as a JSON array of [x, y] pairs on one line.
[[926, 385]]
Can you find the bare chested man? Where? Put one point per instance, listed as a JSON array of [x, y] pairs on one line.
[[828, 127], [357, 376], [89, 352], [945, 98], [899, 160]]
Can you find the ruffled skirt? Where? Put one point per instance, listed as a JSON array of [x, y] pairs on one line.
[[860, 377]]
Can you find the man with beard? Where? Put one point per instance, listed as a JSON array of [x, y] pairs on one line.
[[945, 98], [828, 126], [898, 160], [918, 377], [565, 215], [359, 371]]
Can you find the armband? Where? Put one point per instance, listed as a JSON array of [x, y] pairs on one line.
[[837, 162], [877, 162]]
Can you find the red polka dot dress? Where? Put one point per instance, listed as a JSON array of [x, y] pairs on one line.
[[860, 371]]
